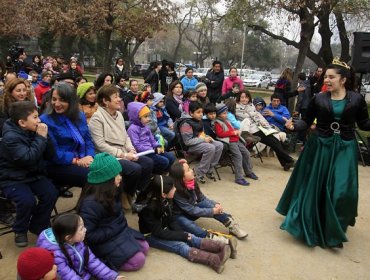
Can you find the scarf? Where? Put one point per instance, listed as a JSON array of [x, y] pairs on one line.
[[79, 142], [178, 99], [120, 67], [189, 185]]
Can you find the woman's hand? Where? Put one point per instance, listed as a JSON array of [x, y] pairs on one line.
[[85, 161], [131, 156]]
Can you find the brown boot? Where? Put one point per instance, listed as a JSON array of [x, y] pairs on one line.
[[203, 257], [125, 201], [224, 238], [223, 250]]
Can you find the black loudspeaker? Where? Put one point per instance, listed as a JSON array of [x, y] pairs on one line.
[[361, 52]]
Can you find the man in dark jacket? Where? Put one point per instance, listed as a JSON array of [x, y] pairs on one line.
[[214, 80], [167, 75], [153, 77]]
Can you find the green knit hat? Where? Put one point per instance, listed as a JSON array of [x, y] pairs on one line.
[[104, 168], [83, 88]]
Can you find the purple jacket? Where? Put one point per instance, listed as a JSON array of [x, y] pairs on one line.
[[140, 135], [94, 267]]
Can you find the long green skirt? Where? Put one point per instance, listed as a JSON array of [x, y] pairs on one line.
[[320, 199]]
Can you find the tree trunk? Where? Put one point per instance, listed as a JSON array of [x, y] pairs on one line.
[[325, 52], [345, 45], [66, 46], [106, 51], [81, 51]]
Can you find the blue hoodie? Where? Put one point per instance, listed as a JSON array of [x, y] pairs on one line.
[[279, 113]]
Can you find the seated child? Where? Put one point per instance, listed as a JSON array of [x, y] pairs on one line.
[[230, 94], [201, 90], [164, 120], [36, 264], [163, 232], [22, 170], [143, 140], [197, 142], [191, 204], [189, 96], [87, 94], [73, 257], [108, 234], [239, 153]]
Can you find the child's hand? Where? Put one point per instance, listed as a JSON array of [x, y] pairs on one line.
[[237, 132], [208, 139], [42, 130], [160, 150], [170, 126], [217, 210]]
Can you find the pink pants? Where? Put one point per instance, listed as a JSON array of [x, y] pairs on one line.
[[137, 261]]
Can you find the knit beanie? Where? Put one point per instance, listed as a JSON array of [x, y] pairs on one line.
[[157, 97], [34, 263], [144, 97], [145, 110], [220, 108], [82, 89], [103, 168], [200, 86]]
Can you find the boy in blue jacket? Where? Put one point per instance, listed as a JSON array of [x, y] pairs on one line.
[[22, 171]]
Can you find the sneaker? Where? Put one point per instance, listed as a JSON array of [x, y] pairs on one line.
[[235, 230], [211, 176], [252, 176], [242, 182], [21, 240], [289, 165], [201, 179]]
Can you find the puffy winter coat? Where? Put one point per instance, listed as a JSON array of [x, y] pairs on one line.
[[94, 267]]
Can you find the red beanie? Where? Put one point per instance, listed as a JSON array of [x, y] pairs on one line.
[[34, 263]]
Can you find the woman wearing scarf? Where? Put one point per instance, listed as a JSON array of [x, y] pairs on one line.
[[68, 130], [174, 100]]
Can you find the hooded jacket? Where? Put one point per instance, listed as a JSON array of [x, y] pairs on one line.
[[277, 119], [140, 135], [95, 267]]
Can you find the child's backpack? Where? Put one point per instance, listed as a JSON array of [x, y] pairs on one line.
[[176, 128]]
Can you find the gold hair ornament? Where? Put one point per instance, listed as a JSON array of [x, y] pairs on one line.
[[336, 61]]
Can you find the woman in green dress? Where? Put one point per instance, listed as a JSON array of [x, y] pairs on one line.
[[320, 199]]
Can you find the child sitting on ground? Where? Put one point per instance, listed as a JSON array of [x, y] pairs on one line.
[[163, 232], [239, 153], [190, 96], [73, 257], [108, 234], [195, 141], [164, 120], [36, 264], [23, 147], [143, 140], [191, 204]]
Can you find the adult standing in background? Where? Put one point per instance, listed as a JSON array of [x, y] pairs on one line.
[[153, 77], [119, 70], [231, 80], [167, 75], [317, 81], [214, 80]]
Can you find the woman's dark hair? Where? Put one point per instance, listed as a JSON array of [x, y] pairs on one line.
[[105, 92], [68, 94], [118, 78], [172, 86], [100, 80], [344, 72], [104, 193], [119, 58], [64, 225], [177, 174], [39, 57], [246, 92], [21, 110], [231, 68], [188, 69], [231, 105], [7, 98]]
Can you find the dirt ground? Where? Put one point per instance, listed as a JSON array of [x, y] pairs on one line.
[[267, 253]]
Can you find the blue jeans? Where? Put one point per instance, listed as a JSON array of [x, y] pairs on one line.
[[162, 162], [188, 223], [32, 214], [178, 247], [167, 133]]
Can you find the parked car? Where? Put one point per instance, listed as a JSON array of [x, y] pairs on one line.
[[200, 73], [274, 79], [139, 69], [259, 81]]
